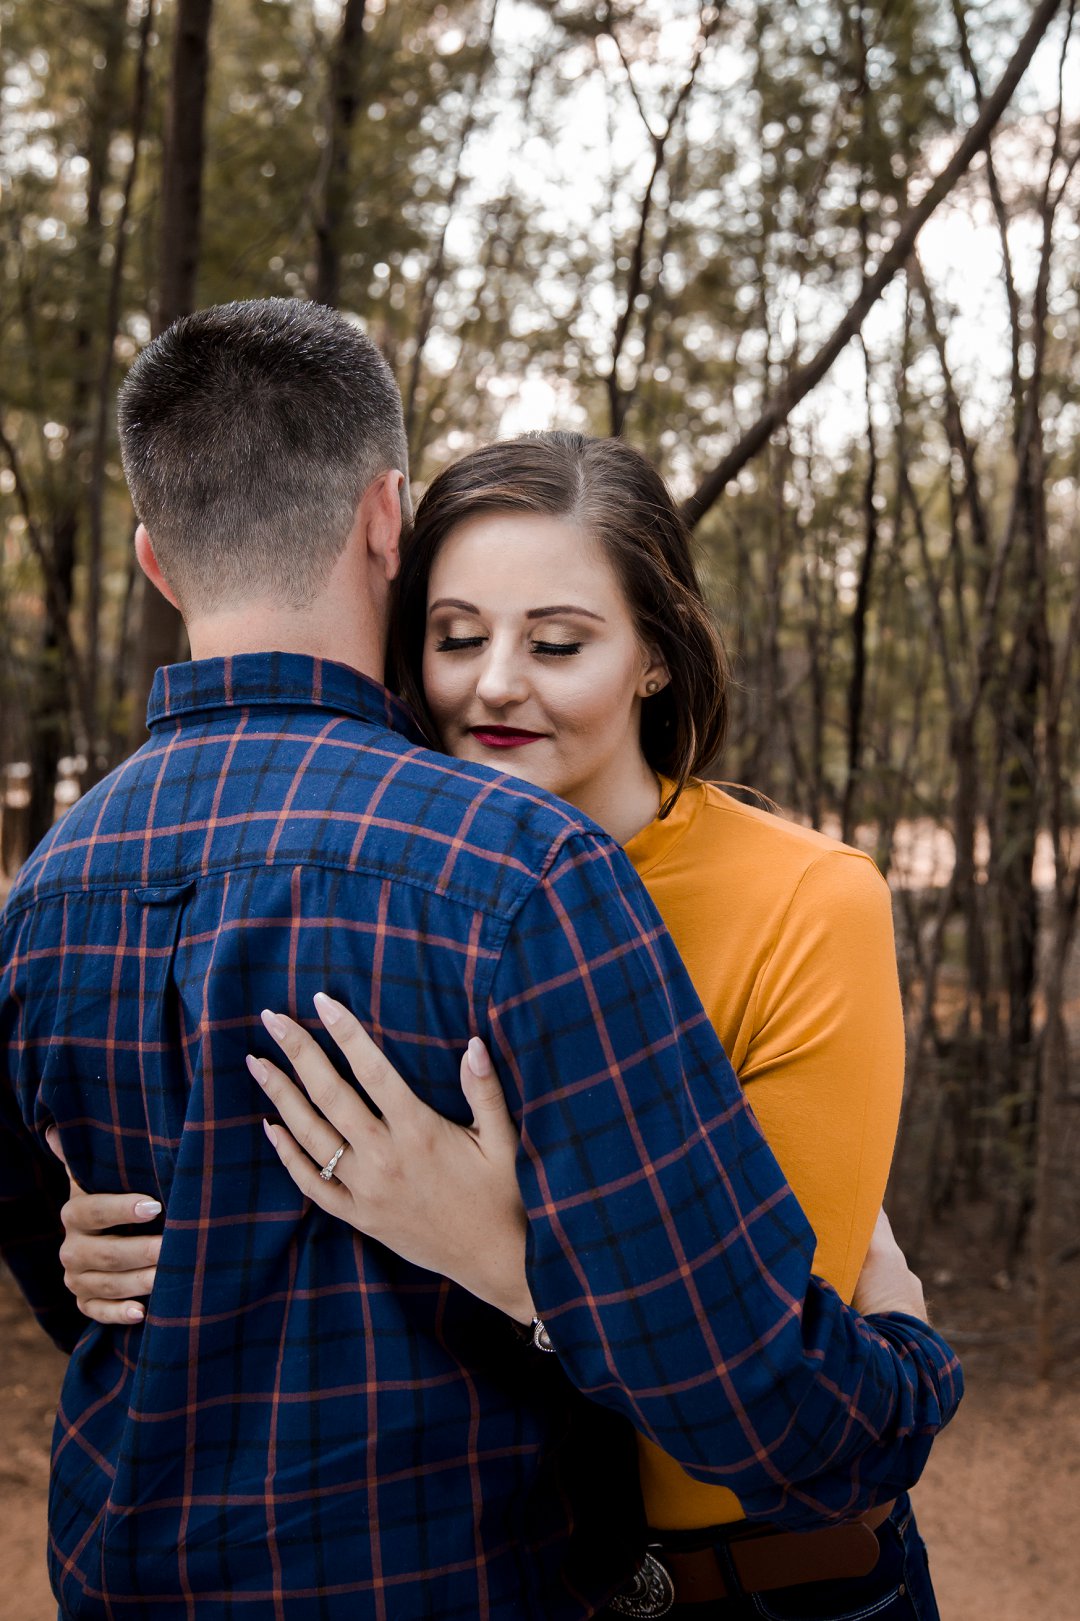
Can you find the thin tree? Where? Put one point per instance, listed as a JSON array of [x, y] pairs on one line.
[[54, 724], [619, 398], [159, 636], [99, 753], [335, 179], [806, 377]]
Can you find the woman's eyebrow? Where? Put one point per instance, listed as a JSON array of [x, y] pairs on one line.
[[563, 608], [533, 613]]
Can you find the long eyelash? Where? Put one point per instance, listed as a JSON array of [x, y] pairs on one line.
[[452, 644], [557, 649]]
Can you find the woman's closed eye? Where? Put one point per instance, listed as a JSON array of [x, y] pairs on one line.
[[556, 649], [454, 644], [458, 644]]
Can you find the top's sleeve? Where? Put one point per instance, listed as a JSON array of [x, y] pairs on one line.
[[33, 1185], [666, 1252], [824, 1069]]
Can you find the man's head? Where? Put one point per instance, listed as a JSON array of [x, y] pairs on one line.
[[250, 433]]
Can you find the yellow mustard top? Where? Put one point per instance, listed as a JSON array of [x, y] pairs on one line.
[[788, 938]]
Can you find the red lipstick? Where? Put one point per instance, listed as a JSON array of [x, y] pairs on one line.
[[504, 737]]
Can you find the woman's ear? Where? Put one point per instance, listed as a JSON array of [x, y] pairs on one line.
[[655, 676]]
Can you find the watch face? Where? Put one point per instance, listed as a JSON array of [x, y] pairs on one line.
[[652, 1592], [540, 1336]]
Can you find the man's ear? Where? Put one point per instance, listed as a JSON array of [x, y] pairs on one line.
[[380, 513], [144, 551]]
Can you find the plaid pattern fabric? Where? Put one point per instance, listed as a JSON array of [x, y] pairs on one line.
[[307, 1426]]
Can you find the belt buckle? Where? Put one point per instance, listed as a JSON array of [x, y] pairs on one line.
[[652, 1591]]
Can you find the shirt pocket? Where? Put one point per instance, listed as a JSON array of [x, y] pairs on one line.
[[113, 1067]]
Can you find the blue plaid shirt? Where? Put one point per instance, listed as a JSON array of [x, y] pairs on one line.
[[306, 1426]]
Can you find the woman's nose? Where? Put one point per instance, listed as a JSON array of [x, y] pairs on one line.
[[502, 679]]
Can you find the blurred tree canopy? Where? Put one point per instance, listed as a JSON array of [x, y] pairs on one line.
[[642, 218]]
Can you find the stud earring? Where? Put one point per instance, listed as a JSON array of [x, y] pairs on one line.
[[652, 687]]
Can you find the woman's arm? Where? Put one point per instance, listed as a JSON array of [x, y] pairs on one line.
[[443, 1196], [823, 1068], [440, 1195], [106, 1274], [886, 1282]]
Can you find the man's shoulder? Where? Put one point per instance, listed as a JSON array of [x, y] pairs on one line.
[[478, 800], [52, 859], [282, 791], [463, 830]]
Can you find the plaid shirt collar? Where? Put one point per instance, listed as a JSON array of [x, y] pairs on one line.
[[273, 679]]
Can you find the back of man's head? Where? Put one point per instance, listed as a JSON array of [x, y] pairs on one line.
[[249, 432]]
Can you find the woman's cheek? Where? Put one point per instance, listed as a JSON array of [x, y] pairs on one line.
[[435, 691], [595, 700]]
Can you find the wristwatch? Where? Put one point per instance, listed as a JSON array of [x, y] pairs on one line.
[[540, 1337]]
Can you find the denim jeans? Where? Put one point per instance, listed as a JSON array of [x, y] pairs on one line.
[[897, 1589]]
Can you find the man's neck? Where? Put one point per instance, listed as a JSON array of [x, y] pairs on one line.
[[319, 632]]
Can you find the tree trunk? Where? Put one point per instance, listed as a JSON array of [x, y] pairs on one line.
[[182, 177], [159, 639], [335, 183], [99, 753], [859, 620], [53, 725]]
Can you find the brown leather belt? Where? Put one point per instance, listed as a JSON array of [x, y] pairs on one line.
[[762, 1560]]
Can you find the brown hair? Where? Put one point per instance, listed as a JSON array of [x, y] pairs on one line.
[[618, 498], [249, 432]]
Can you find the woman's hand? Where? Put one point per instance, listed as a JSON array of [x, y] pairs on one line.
[[106, 1274], [441, 1195], [886, 1283]]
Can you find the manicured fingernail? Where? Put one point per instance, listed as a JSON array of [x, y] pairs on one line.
[[479, 1062], [147, 1208], [134, 1314], [257, 1069], [276, 1025], [328, 1010], [271, 1133]]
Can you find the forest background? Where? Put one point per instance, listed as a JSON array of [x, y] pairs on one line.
[[819, 259]]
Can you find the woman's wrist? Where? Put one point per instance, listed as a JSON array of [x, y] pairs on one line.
[[524, 1309], [502, 1282], [517, 1303]]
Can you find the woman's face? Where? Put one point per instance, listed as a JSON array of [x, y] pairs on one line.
[[532, 661]]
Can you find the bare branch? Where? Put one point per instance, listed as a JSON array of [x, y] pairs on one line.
[[618, 398], [804, 378]]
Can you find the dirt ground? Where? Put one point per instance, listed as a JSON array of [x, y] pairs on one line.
[[997, 1504]]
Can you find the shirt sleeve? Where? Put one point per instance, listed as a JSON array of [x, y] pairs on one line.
[[824, 1069], [666, 1253], [33, 1185]]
